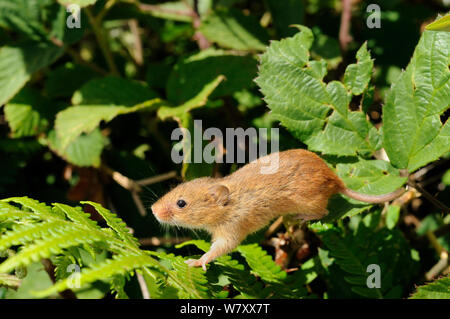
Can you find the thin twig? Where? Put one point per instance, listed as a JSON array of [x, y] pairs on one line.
[[344, 31], [156, 8], [139, 205], [102, 41], [143, 286], [443, 262], [156, 241], [428, 196], [122, 180], [137, 43], [157, 179], [273, 228]]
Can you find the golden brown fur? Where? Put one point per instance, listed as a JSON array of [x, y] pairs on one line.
[[232, 207]]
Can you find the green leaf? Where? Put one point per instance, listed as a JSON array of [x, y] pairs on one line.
[[113, 91], [73, 121], [191, 74], [181, 114], [314, 112], [81, 3], [115, 223], [286, 13], [438, 289], [41, 210], [392, 215], [54, 244], [18, 63], [56, 84], [231, 29], [357, 76], [199, 100], [375, 177], [177, 11], [261, 263], [23, 234], [26, 113], [25, 17], [85, 150], [190, 281], [326, 48], [117, 265], [441, 24], [413, 134]]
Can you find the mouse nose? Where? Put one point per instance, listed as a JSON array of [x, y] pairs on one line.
[[160, 212]]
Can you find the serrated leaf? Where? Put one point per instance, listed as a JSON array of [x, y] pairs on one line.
[[233, 30], [357, 76], [18, 63], [375, 177], [85, 150], [413, 134], [315, 112], [438, 289]]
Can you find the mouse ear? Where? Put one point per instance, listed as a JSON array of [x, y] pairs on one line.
[[219, 193]]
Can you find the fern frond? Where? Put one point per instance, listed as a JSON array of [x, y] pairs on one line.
[[240, 278], [61, 263], [23, 234], [117, 286], [118, 265], [15, 214], [76, 215], [52, 245], [40, 209], [261, 263], [438, 289], [350, 263], [115, 223], [190, 281], [9, 281]]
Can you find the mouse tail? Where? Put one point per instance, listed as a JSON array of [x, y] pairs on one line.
[[373, 198]]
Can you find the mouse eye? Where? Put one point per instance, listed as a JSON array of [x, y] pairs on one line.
[[181, 203]]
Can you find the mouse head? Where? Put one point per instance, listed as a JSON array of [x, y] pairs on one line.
[[194, 204]]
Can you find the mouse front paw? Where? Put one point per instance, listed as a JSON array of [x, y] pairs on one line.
[[197, 263]]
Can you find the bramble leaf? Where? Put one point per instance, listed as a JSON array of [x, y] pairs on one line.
[[413, 134]]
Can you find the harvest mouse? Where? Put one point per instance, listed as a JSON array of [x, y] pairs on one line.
[[234, 206]]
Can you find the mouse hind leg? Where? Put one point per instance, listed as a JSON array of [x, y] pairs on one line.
[[315, 209]]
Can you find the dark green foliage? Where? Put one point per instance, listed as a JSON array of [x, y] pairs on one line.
[[82, 109]]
